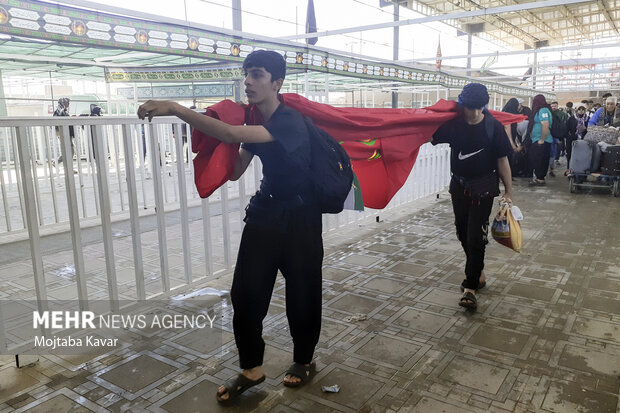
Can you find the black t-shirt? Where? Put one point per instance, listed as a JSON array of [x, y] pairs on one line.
[[286, 188], [474, 154]]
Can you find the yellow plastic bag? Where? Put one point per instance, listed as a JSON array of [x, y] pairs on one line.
[[505, 228]]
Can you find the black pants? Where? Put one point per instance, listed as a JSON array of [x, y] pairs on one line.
[[298, 254], [540, 158], [519, 164], [529, 164], [471, 217], [561, 148]]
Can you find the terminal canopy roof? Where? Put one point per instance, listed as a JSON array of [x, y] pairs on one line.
[[39, 38]]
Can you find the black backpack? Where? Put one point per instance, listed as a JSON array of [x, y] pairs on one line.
[[559, 126], [330, 168]]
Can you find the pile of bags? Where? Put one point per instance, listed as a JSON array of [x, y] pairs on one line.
[[599, 151]]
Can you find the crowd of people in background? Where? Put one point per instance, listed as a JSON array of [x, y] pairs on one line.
[[540, 142]]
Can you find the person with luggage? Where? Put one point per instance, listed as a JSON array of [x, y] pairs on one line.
[[480, 150], [577, 129], [607, 115], [539, 130], [283, 228]]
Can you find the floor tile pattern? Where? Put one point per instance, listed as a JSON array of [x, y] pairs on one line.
[[545, 338]]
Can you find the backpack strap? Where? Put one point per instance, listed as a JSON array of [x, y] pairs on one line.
[[489, 125]]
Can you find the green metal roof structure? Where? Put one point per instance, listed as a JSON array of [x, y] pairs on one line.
[[37, 38]]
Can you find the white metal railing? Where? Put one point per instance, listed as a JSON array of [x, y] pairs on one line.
[[125, 170]]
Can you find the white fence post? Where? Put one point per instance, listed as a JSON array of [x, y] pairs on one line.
[[134, 217], [74, 219], [156, 157], [101, 159], [30, 222], [187, 259]]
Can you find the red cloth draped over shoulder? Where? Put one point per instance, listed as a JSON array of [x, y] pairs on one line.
[[383, 143]]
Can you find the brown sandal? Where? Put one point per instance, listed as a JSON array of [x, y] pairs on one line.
[[468, 300]]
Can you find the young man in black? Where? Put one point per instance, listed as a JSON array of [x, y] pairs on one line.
[[283, 228], [480, 152]]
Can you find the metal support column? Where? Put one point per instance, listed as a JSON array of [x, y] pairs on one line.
[[327, 89], [236, 17], [108, 96], [534, 69], [395, 42], [469, 36], [3, 112], [135, 97]]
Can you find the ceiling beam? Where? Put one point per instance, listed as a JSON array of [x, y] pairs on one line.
[[565, 76], [570, 16], [441, 17], [608, 16], [518, 52], [555, 63], [51, 60], [504, 24]]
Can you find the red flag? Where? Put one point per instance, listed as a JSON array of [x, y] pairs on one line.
[[383, 143], [212, 165], [438, 61]]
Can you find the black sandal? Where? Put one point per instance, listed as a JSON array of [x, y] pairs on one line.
[[468, 300], [234, 387], [302, 372], [481, 285]]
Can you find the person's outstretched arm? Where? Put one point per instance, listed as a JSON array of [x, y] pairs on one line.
[[206, 124]]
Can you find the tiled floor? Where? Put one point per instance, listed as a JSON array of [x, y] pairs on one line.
[[546, 336]]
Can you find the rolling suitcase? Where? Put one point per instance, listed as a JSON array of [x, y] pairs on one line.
[[581, 157], [610, 164]]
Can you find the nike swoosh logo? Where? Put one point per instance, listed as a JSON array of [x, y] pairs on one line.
[[463, 157]]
